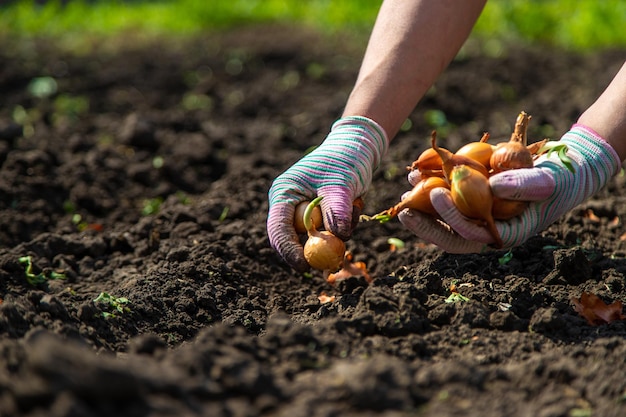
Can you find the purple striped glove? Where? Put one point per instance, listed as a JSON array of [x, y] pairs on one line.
[[340, 170], [552, 189]]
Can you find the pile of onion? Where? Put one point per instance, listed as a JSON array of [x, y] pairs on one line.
[[466, 173]]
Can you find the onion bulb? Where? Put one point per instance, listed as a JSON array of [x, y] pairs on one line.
[[298, 217], [479, 151], [472, 196], [429, 164], [513, 154], [322, 250], [418, 199], [504, 209], [451, 160]]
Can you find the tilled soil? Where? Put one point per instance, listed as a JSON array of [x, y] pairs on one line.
[[142, 178]]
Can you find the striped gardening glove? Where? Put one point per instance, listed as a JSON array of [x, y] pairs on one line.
[[340, 170], [550, 186]]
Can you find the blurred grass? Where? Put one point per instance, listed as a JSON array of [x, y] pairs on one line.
[[570, 24]]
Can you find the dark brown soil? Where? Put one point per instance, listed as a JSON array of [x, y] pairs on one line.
[[215, 324]]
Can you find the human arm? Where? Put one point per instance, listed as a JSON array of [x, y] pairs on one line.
[[411, 43], [607, 115]]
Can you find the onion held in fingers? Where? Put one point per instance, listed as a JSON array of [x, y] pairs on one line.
[[322, 250], [513, 154], [472, 196], [480, 151], [418, 199], [419, 196], [298, 218], [429, 164], [504, 209], [451, 160]]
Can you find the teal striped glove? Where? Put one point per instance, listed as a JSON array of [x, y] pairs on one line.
[[340, 170], [552, 189]]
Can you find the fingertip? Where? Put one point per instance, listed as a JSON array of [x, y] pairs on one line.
[[532, 184], [283, 237], [337, 212], [340, 227], [438, 233], [441, 199], [414, 176], [293, 255]]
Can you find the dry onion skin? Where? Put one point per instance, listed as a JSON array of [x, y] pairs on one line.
[[429, 164], [513, 154], [322, 250]]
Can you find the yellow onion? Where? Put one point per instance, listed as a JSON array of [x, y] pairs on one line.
[[479, 151], [450, 160], [504, 209], [471, 194], [419, 196], [322, 250], [428, 164], [298, 217], [513, 154], [418, 199]]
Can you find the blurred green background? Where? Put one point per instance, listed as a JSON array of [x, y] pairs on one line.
[[571, 24]]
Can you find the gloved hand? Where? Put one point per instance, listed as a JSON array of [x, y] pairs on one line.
[[552, 189], [340, 170]]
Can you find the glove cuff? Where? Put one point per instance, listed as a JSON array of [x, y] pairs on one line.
[[597, 152], [595, 163]]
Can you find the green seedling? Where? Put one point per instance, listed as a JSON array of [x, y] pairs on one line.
[[506, 258], [70, 107], [455, 296], [315, 70], [77, 220], [195, 101], [435, 118], [223, 214], [42, 87], [407, 125], [382, 218], [40, 278], [183, 198], [114, 303], [158, 162], [151, 206], [395, 243]]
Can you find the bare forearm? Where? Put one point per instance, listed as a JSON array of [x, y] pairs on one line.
[[411, 44], [607, 115]]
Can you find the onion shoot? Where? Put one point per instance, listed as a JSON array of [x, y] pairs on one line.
[[322, 250]]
